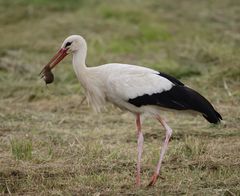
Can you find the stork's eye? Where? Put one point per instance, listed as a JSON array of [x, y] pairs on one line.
[[68, 44]]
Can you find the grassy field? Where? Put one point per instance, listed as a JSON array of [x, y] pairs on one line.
[[50, 144]]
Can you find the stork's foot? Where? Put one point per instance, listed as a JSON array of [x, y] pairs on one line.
[[138, 182], [153, 180]]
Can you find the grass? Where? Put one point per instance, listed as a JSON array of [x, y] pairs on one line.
[[50, 144], [21, 150]]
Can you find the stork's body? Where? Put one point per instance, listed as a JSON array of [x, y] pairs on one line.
[[117, 83], [134, 88]]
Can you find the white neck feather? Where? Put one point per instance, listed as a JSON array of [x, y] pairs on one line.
[[88, 77], [79, 65]]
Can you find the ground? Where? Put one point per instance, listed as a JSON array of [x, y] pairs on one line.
[[51, 144]]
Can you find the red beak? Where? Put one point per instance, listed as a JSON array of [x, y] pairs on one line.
[[55, 60]]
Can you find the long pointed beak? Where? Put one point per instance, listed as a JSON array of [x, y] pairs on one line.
[[53, 62], [56, 59]]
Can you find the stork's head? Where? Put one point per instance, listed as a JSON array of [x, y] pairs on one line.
[[71, 44]]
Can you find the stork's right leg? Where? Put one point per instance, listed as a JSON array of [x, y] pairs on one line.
[[140, 148], [163, 150]]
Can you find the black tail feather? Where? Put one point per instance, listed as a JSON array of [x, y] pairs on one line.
[[180, 97], [188, 98], [213, 117], [202, 105], [199, 103]]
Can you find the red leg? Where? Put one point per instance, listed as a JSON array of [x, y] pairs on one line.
[[163, 150], [140, 148]]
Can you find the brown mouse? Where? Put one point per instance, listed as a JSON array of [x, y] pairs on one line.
[[47, 75]]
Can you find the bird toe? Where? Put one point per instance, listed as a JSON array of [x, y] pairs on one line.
[[153, 180]]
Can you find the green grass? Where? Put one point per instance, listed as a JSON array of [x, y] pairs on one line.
[[21, 149], [50, 144]]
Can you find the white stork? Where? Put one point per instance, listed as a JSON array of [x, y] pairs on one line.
[[137, 89]]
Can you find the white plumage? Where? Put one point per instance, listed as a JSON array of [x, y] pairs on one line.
[[121, 82], [134, 81], [134, 88]]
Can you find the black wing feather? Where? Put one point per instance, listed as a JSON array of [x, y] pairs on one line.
[[179, 97], [171, 78]]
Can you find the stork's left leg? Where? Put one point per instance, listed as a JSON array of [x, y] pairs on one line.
[[140, 149], [163, 150]]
